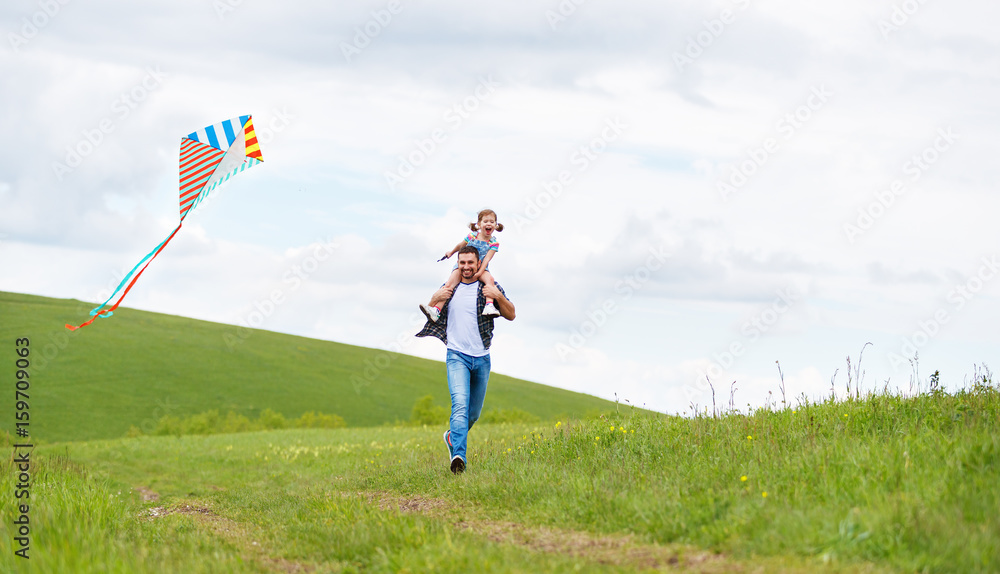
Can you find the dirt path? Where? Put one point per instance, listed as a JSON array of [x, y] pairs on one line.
[[622, 550]]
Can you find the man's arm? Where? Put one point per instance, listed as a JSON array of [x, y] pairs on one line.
[[503, 304], [441, 296]]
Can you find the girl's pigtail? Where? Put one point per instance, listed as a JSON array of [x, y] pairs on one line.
[[474, 227], [499, 227]]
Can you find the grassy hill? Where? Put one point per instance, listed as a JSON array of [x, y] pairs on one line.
[[139, 366]]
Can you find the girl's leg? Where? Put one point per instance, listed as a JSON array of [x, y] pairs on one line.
[[452, 282], [487, 279]]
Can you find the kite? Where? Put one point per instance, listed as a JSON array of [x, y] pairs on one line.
[[208, 158]]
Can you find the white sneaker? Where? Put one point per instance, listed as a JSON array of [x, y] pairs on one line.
[[431, 312], [490, 311]]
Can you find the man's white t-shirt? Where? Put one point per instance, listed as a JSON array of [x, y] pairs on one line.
[[463, 324]]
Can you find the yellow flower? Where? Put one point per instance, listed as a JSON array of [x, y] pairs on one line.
[[845, 415], [749, 437], [558, 424], [597, 438], [763, 494], [621, 429], [612, 428], [743, 478]]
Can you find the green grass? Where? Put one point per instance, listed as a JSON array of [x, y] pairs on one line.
[[882, 483], [136, 367]]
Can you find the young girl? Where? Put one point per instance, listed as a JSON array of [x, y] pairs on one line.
[[482, 239]]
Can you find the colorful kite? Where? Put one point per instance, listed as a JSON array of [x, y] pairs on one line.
[[209, 157]]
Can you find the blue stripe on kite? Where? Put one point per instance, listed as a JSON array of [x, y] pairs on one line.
[[243, 120], [227, 126], [212, 140], [193, 136]]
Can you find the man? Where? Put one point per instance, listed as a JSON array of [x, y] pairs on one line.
[[467, 334]]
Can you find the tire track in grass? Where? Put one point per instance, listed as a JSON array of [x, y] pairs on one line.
[[618, 550], [624, 550], [227, 529]]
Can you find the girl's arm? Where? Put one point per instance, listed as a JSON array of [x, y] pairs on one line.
[[455, 249], [483, 264]]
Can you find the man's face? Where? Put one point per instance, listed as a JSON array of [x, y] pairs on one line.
[[468, 264]]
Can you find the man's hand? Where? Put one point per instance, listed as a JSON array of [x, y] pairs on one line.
[[441, 296], [503, 305]]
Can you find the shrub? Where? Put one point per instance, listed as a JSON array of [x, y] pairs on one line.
[[270, 419], [311, 420], [211, 422], [425, 412], [511, 415]]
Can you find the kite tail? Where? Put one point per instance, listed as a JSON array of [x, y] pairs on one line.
[[99, 311]]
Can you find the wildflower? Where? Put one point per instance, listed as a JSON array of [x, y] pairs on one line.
[[612, 428], [743, 478], [631, 430], [597, 437], [558, 424], [845, 415], [621, 429], [763, 494], [749, 437]]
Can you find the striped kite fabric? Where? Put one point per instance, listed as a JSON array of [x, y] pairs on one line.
[[208, 158]]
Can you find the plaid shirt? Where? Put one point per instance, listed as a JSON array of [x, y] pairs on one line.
[[439, 328]]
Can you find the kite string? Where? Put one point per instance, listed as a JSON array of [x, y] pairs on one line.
[[150, 255], [98, 312]]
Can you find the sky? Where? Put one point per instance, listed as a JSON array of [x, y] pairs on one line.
[[732, 196]]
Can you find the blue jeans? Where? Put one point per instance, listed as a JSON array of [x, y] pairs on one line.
[[467, 378]]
